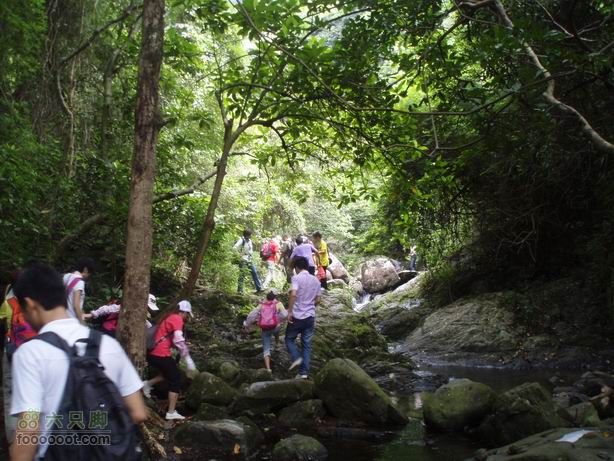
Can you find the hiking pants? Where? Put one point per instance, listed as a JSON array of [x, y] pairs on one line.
[[252, 268], [305, 328]]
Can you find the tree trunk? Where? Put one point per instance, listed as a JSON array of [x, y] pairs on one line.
[[131, 330], [107, 101], [209, 224]]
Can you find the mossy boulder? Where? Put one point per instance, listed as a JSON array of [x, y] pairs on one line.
[[299, 448], [229, 371], [520, 412], [351, 394], [225, 438], [302, 414], [208, 412], [457, 405], [208, 388], [267, 396], [597, 445]]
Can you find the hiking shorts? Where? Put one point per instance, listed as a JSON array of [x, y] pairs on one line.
[[168, 368]]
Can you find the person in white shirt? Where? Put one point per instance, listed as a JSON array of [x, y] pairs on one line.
[[75, 287], [245, 248], [40, 370]]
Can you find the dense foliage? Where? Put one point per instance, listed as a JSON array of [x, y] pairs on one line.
[[444, 123]]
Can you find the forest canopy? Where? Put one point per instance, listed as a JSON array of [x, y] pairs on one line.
[[482, 124]]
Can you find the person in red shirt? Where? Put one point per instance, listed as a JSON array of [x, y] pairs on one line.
[[271, 261], [169, 334]]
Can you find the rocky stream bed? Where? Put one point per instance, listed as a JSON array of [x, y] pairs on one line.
[[389, 382]]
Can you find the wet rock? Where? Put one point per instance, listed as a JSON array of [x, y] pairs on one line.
[[226, 438], [457, 405], [350, 394], [584, 415], [209, 388], [264, 397], [378, 275], [299, 448], [595, 446], [406, 276], [302, 414], [518, 413], [208, 412], [397, 324]]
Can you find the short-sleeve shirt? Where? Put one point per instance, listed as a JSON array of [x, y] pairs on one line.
[[305, 250], [40, 371], [164, 335], [274, 247], [323, 251], [307, 291], [79, 286]]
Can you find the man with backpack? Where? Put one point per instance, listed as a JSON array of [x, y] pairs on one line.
[[269, 316], [245, 249], [286, 248], [75, 392], [74, 282], [269, 253], [304, 297]]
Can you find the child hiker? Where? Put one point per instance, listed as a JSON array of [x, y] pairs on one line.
[[268, 316]]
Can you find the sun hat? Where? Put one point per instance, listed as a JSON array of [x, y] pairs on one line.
[[185, 306], [151, 303]]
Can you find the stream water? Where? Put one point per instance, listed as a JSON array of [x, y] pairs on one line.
[[413, 443]]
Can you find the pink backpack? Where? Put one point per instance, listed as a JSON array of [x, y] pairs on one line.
[[268, 315]]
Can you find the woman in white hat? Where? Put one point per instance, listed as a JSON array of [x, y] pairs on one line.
[[168, 335]]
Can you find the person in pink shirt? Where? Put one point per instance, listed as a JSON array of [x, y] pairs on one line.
[[169, 334]]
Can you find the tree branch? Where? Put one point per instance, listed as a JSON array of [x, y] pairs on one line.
[[127, 12]]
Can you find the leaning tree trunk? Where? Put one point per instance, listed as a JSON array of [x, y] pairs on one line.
[[131, 330], [209, 224]]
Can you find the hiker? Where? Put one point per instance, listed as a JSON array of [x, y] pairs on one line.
[[18, 331], [322, 248], [169, 334], [286, 247], [56, 380], [270, 254], [245, 248], [413, 257], [74, 282], [109, 314], [306, 250], [304, 296], [269, 316]]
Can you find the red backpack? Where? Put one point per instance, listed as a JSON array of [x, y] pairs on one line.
[[268, 315]]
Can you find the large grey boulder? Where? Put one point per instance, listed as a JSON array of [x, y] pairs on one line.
[[520, 412], [351, 394], [378, 275], [299, 448], [267, 396], [459, 404], [338, 270], [598, 445], [226, 438], [208, 388]]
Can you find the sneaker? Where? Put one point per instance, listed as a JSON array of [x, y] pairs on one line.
[[147, 389], [174, 416], [269, 370], [300, 376], [296, 363]]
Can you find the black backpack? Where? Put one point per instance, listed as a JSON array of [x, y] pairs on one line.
[[90, 393]]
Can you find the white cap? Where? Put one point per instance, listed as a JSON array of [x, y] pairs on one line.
[[151, 303], [185, 306]]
